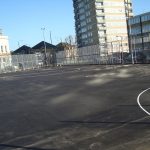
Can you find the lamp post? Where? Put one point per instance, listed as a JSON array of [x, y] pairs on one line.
[[43, 31], [112, 52], [131, 41], [50, 37], [134, 49], [121, 48]]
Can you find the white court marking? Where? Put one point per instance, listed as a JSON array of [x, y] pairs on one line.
[[138, 101]]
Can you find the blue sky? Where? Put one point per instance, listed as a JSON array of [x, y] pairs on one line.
[[22, 20]]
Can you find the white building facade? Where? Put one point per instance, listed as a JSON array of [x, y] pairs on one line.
[[5, 55]]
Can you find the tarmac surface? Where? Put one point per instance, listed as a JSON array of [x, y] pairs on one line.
[[75, 108]]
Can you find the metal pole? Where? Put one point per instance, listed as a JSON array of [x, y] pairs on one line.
[[119, 53], [149, 41], [134, 48], [132, 51], [18, 44], [50, 36], [131, 42], [121, 48], [112, 52], [43, 31]]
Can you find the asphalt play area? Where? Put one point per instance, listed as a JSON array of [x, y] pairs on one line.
[[76, 108]]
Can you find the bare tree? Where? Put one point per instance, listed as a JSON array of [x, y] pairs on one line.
[[70, 40]]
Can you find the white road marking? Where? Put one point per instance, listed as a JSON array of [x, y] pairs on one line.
[[138, 101]]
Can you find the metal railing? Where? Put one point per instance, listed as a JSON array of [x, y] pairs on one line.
[[110, 54], [13, 63], [88, 55]]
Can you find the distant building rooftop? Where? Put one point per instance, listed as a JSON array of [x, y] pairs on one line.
[[41, 46], [23, 50]]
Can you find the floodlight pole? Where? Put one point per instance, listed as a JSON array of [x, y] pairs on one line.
[[50, 36], [121, 47], [43, 31]]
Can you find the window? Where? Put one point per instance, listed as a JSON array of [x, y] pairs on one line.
[[87, 6], [88, 20], [134, 20], [99, 3], [90, 34], [91, 40], [88, 13], [99, 11], [101, 17], [1, 48], [102, 33], [5, 48], [145, 17], [81, 11], [135, 30], [84, 36], [81, 4], [82, 17], [146, 28], [83, 29], [83, 23], [4, 60], [89, 27], [102, 40]]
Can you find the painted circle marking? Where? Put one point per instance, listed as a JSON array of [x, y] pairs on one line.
[[138, 101]]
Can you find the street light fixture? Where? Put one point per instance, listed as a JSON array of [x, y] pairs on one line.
[[43, 31]]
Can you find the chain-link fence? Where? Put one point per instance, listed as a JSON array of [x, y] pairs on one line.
[[110, 54], [5, 63], [13, 63], [89, 55]]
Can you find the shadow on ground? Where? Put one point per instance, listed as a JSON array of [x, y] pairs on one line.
[[79, 109]]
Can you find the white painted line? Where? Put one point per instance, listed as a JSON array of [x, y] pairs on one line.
[[138, 101]]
